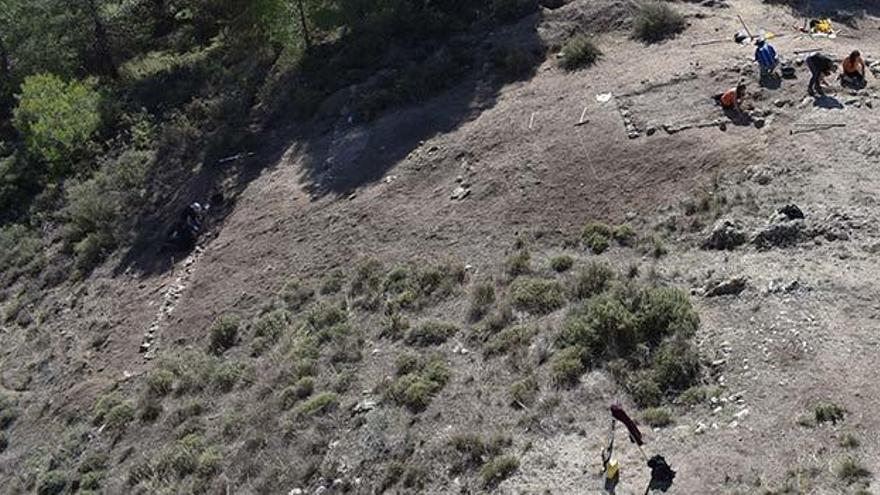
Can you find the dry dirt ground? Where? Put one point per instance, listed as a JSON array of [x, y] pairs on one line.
[[778, 349]]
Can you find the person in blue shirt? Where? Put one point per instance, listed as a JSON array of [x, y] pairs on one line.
[[765, 55]]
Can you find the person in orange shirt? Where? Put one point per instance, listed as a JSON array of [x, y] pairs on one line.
[[731, 99], [854, 70]]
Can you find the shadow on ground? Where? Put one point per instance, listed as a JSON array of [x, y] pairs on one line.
[[345, 146], [845, 11]]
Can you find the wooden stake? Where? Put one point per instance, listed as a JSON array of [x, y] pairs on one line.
[[744, 25], [581, 121], [531, 120]]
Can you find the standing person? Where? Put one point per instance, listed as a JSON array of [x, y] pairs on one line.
[[821, 66], [765, 55], [854, 69]]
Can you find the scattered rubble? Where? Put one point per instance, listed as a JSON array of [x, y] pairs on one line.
[[726, 235]]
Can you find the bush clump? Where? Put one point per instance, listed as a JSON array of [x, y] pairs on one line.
[[850, 471], [518, 263], [509, 340], [524, 393], [580, 51], [482, 298], [430, 333], [417, 381], [160, 382], [567, 366], [536, 295], [643, 331], [657, 417], [655, 21], [497, 470], [52, 483], [295, 295], [591, 280], [319, 404], [560, 264], [597, 237], [829, 412], [224, 333]]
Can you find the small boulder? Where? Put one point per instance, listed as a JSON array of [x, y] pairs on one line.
[[730, 287], [792, 212], [785, 233], [726, 234]]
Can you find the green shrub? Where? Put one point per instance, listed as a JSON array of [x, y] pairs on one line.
[[430, 333], [417, 382], [519, 263], [194, 370], [323, 316], [644, 391], [537, 296], [295, 295], [482, 297], [655, 21], [322, 403], [268, 329], [567, 366], [103, 405], [90, 481], [591, 280], [367, 278], [190, 409], [160, 382], [208, 462], [562, 263], [56, 119], [624, 234], [228, 374], [474, 451], [149, 409], [497, 470], [395, 326], [578, 52], [596, 236], [119, 416], [224, 333], [850, 471], [664, 312], [848, 441], [524, 393], [513, 62], [332, 283], [8, 411], [509, 340], [20, 252], [603, 326], [826, 412], [179, 459], [657, 417], [676, 365], [497, 319], [52, 483], [698, 394]]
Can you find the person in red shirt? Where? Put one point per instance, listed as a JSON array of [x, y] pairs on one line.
[[731, 99]]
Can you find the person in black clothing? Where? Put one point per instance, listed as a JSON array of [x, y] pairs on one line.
[[821, 66]]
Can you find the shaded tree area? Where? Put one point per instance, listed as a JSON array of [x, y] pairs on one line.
[[108, 107]]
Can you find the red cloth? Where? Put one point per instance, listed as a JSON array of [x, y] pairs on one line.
[[634, 434]]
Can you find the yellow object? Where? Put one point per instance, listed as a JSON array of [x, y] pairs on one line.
[[613, 469], [823, 26]]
